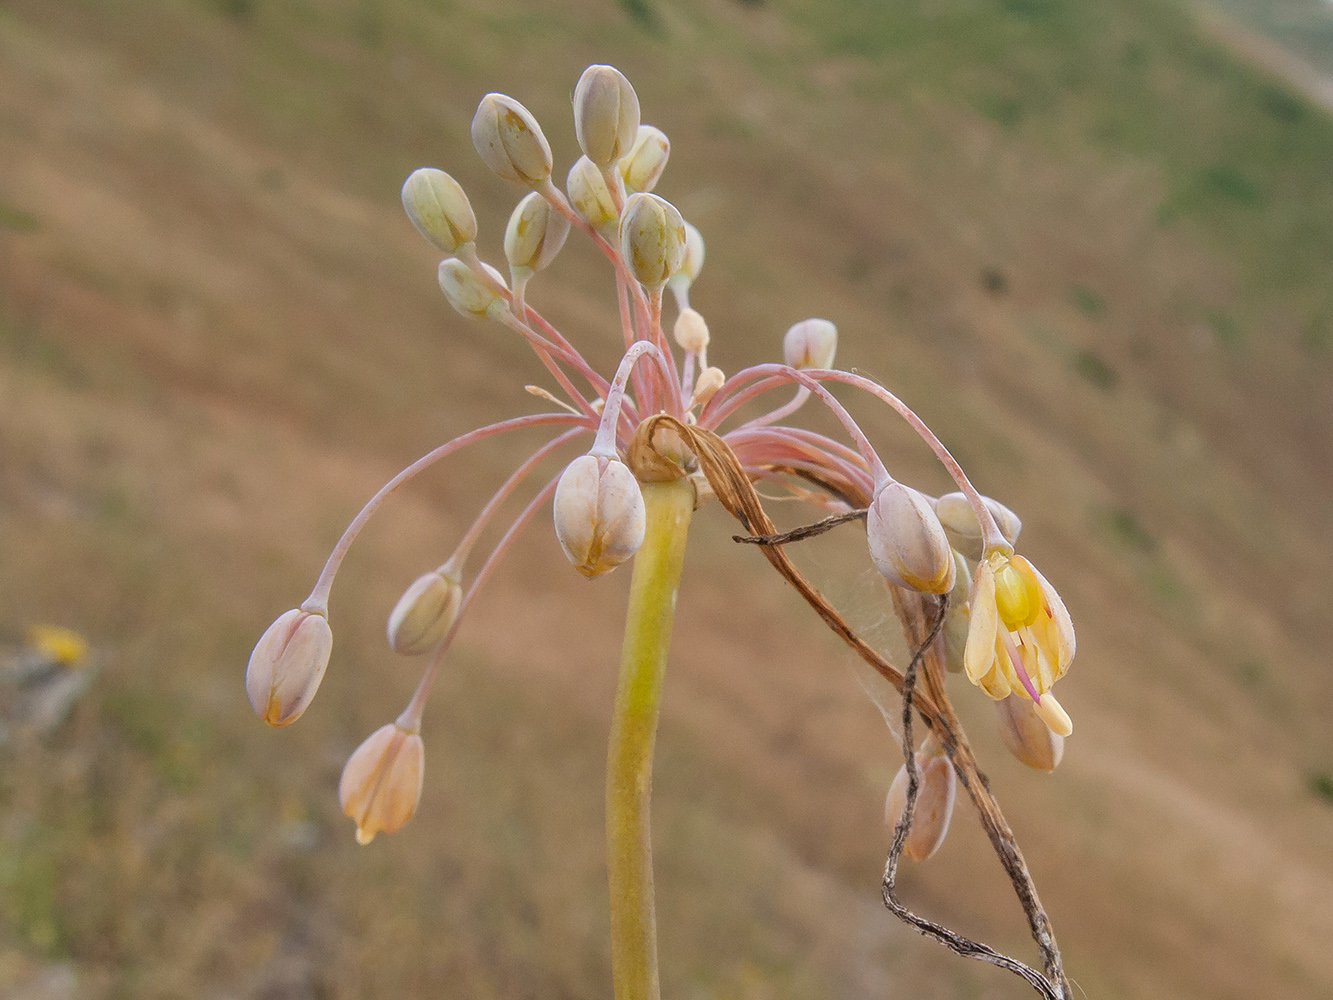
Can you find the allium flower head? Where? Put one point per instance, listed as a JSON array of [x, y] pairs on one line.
[[1008, 629]]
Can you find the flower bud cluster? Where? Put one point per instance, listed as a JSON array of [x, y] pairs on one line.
[[1006, 629]]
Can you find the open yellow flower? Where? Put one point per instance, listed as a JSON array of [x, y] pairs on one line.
[[1020, 638]]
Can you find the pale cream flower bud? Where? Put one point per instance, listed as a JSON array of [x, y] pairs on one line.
[[710, 380], [606, 114], [964, 530], [599, 513], [287, 664], [509, 140], [690, 331], [652, 238], [935, 799], [535, 233], [425, 612], [1026, 735], [438, 207], [957, 620], [381, 782], [811, 343], [468, 293], [907, 544], [642, 166], [590, 196], [693, 261]]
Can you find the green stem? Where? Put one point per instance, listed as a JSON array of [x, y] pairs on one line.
[[629, 763]]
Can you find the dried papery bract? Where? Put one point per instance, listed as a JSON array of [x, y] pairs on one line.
[[642, 166], [287, 665], [381, 782], [466, 291], [510, 142], [934, 803], [907, 544], [811, 343], [424, 614], [1026, 735], [438, 207], [590, 196], [964, 530], [599, 513], [606, 114], [652, 238]]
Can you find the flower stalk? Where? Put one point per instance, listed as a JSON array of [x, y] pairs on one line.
[[629, 765]]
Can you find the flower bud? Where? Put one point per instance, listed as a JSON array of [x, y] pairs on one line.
[[466, 292], [936, 793], [438, 207], [535, 233], [652, 238], [1026, 735], [810, 343], [509, 140], [381, 782], [606, 114], [690, 331], [287, 665], [907, 544], [964, 530], [599, 513], [425, 612], [693, 261], [706, 385], [642, 166], [957, 619], [589, 194]]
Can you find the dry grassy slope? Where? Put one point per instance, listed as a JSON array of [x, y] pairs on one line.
[[219, 336]]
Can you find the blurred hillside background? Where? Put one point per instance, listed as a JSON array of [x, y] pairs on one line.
[[1092, 242]]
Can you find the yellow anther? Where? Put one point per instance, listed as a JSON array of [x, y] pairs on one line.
[[1017, 595]]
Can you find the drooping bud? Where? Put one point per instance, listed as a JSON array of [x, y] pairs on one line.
[[690, 331], [381, 782], [642, 166], [693, 261], [425, 612], [810, 343], [935, 799], [907, 544], [509, 140], [710, 380], [287, 664], [599, 513], [652, 238], [535, 233], [438, 207], [964, 530], [958, 619], [1026, 735], [590, 196], [468, 293], [606, 114]]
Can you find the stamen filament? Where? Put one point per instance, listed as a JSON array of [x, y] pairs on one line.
[[318, 601], [410, 719]]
